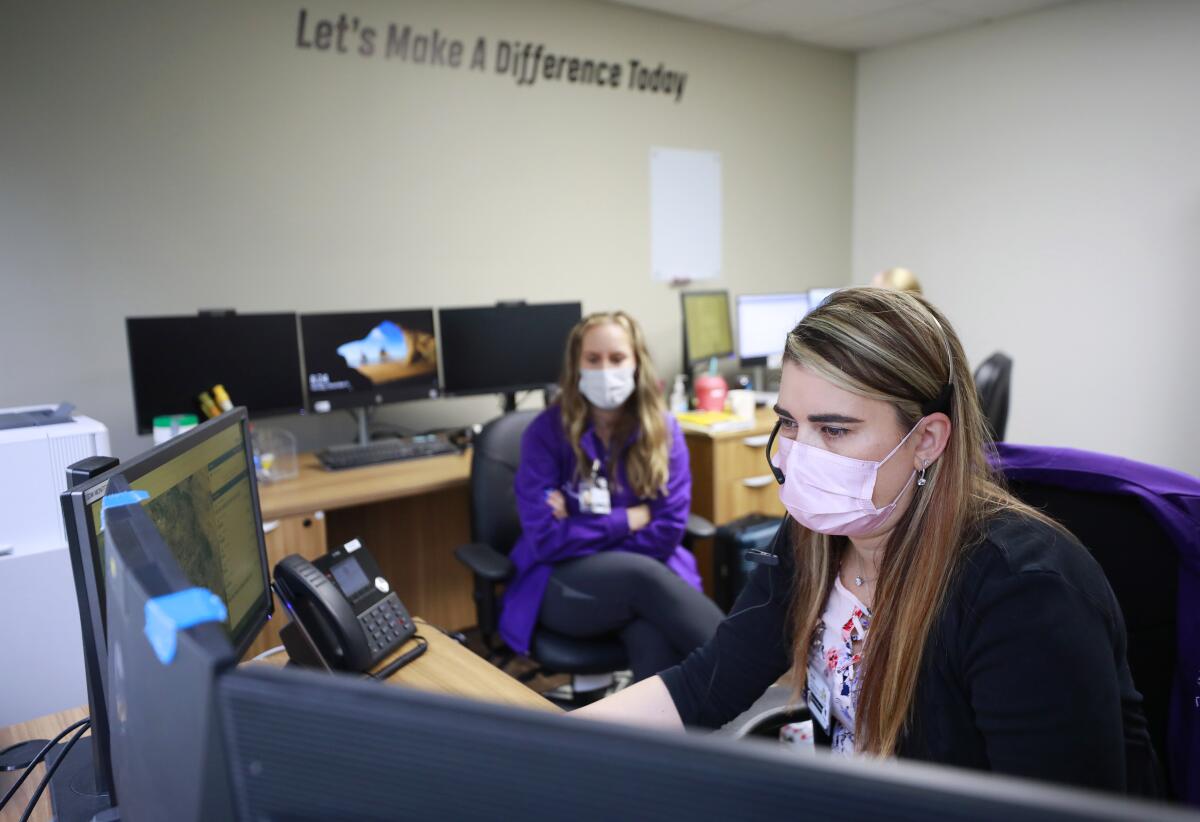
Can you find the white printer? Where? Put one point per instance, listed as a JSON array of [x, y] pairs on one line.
[[41, 651]]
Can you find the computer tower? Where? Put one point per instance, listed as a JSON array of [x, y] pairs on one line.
[[753, 531]]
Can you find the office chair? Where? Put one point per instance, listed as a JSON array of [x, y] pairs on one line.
[[495, 528], [1142, 524], [992, 379]]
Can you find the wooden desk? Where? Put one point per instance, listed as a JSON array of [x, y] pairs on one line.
[[731, 478], [445, 667], [316, 489], [412, 514]]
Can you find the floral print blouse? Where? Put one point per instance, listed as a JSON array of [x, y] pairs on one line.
[[837, 653]]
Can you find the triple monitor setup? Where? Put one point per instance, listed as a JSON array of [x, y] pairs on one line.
[[286, 363], [171, 576], [763, 323]]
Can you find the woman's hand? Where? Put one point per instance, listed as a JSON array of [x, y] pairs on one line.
[[639, 517], [557, 503]]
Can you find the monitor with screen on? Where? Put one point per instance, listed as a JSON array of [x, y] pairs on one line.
[[816, 296], [764, 321], [256, 357], [367, 358], [504, 348], [200, 490], [707, 331]]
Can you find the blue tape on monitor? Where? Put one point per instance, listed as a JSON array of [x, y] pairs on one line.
[[121, 499], [167, 615]]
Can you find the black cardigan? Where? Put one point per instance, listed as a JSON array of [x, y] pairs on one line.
[[1024, 672]]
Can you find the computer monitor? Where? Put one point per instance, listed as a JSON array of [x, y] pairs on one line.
[[369, 357], [167, 647], [816, 296], [764, 321], [200, 488], [504, 348], [707, 331], [307, 745], [173, 359]]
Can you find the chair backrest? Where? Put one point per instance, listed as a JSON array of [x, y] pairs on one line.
[[992, 379], [1141, 523], [496, 455]]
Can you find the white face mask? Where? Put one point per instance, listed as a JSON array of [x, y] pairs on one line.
[[607, 388]]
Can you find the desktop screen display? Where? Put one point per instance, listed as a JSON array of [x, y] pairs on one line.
[[173, 359], [203, 504], [369, 357], [816, 296], [764, 321], [504, 348], [707, 331]]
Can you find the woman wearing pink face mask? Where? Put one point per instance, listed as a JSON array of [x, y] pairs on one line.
[[925, 612]]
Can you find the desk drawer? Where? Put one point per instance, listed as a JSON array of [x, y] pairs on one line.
[[745, 484], [750, 496]]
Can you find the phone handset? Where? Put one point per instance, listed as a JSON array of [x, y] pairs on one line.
[[324, 613]]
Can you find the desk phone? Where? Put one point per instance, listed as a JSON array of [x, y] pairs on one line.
[[344, 606]]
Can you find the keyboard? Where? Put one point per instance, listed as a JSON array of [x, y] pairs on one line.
[[339, 457]]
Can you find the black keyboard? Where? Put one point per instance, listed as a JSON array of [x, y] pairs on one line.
[[355, 456]]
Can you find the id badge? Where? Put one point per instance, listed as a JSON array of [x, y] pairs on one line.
[[594, 497], [818, 697]]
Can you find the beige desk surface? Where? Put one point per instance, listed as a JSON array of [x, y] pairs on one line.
[[316, 489], [445, 667]]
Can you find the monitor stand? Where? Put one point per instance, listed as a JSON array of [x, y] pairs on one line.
[[364, 433], [73, 792]]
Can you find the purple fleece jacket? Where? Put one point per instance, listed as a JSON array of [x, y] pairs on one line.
[[548, 463]]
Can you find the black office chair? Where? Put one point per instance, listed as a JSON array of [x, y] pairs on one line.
[[495, 528], [992, 379], [1102, 500]]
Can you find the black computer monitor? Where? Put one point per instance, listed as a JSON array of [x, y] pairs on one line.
[[201, 490], [763, 322], [311, 746], [166, 648], [504, 348], [173, 359], [707, 331], [369, 357]]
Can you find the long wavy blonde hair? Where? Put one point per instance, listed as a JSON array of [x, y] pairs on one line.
[[647, 458], [896, 347]]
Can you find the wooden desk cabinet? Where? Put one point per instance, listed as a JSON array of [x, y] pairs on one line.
[[731, 478], [411, 514]]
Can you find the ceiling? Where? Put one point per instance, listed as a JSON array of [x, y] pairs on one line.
[[853, 25]]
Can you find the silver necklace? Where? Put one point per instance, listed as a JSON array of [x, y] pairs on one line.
[[860, 580]]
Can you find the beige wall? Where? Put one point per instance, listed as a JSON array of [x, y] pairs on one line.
[[1040, 175], [163, 157]]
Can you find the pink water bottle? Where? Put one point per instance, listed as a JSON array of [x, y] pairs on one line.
[[711, 389]]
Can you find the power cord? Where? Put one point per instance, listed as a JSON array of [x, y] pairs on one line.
[[404, 659], [85, 723], [50, 769]]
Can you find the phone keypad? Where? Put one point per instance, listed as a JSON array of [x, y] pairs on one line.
[[385, 624]]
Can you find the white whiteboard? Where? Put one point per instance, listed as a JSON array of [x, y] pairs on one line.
[[685, 214]]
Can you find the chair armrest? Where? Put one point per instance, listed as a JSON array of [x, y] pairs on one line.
[[485, 561], [699, 528]]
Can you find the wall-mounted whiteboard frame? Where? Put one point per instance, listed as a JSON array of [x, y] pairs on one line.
[[685, 214]]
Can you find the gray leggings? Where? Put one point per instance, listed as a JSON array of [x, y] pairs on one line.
[[659, 618]]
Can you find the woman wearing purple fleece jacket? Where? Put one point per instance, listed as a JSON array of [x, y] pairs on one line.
[[603, 493]]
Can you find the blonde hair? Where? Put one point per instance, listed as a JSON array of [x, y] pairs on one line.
[[648, 457], [899, 279], [896, 347]]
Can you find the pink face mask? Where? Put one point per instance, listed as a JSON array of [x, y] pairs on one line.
[[828, 493]]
